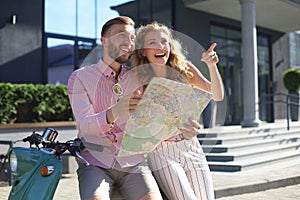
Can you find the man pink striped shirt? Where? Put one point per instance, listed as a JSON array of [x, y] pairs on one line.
[[90, 94]]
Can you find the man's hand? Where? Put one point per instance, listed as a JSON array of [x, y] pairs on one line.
[[124, 107]]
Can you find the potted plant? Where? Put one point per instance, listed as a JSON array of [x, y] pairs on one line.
[[291, 81]]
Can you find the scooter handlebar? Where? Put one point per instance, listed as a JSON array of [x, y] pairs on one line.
[[74, 146], [34, 138]]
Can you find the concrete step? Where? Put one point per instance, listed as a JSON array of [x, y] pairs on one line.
[[247, 145], [231, 149], [212, 133], [238, 138], [235, 166], [248, 154], [233, 131]]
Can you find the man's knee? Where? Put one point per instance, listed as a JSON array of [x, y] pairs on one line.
[[151, 196], [96, 197]]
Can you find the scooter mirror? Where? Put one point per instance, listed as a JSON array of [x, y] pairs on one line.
[[49, 134]]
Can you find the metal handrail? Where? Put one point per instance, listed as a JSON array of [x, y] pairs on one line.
[[287, 102]]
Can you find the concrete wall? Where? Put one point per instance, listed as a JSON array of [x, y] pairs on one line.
[[21, 43], [281, 62]]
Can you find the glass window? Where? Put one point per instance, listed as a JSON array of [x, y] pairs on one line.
[[81, 18], [162, 11], [84, 48], [60, 17], [264, 75], [262, 41], [222, 45], [52, 42], [295, 49], [234, 34], [263, 53], [218, 31], [234, 48], [72, 28], [230, 54], [60, 60], [145, 8], [86, 19]]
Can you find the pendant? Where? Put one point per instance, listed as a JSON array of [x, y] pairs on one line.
[[117, 89]]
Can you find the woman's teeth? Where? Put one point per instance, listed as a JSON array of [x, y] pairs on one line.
[[160, 55]]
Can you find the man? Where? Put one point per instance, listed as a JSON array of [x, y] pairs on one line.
[[101, 110]]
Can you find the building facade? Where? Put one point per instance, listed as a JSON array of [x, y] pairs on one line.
[[208, 21], [250, 68]]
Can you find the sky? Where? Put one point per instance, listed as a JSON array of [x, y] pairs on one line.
[[60, 17]]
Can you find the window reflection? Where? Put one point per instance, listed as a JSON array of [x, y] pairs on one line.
[[295, 49], [71, 33], [60, 17], [60, 60]]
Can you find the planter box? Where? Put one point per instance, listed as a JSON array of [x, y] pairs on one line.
[[38, 125]]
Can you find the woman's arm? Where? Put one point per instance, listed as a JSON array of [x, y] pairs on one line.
[[215, 85]]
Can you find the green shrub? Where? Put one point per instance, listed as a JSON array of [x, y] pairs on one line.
[[34, 103], [291, 79], [8, 106], [52, 103]]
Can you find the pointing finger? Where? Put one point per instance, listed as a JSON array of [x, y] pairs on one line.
[[212, 46]]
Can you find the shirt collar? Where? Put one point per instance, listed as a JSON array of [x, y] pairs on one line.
[[108, 72]]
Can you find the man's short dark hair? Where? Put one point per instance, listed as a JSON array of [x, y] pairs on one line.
[[117, 20]]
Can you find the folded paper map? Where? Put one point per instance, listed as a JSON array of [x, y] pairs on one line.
[[165, 105]]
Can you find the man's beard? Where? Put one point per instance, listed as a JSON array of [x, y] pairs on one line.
[[115, 54]]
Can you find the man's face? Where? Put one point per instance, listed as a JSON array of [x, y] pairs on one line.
[[120, 42]]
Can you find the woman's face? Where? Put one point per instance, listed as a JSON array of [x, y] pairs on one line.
[[156, 47]]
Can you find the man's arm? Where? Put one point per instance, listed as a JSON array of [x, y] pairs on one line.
[[87, 120]]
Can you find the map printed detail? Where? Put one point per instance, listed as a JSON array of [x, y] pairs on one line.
[[165, 105]]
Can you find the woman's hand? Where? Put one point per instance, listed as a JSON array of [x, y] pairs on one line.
[[191, 129], [210, 56]]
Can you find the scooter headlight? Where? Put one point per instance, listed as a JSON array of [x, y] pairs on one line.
[[13, 163]]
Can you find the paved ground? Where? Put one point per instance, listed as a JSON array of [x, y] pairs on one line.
[[282, 193], [271, 180], [67, 189], [278, 182]]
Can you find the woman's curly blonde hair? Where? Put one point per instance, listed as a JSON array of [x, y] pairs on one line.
[[177, 60]]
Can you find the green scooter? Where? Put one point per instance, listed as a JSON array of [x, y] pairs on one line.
[[37, 170]]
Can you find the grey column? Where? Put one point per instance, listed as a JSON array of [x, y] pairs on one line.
[[249, 57]]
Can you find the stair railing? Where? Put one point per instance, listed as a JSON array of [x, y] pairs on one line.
[[287, 101]]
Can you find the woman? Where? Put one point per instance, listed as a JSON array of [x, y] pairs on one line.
[[178, 164]]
